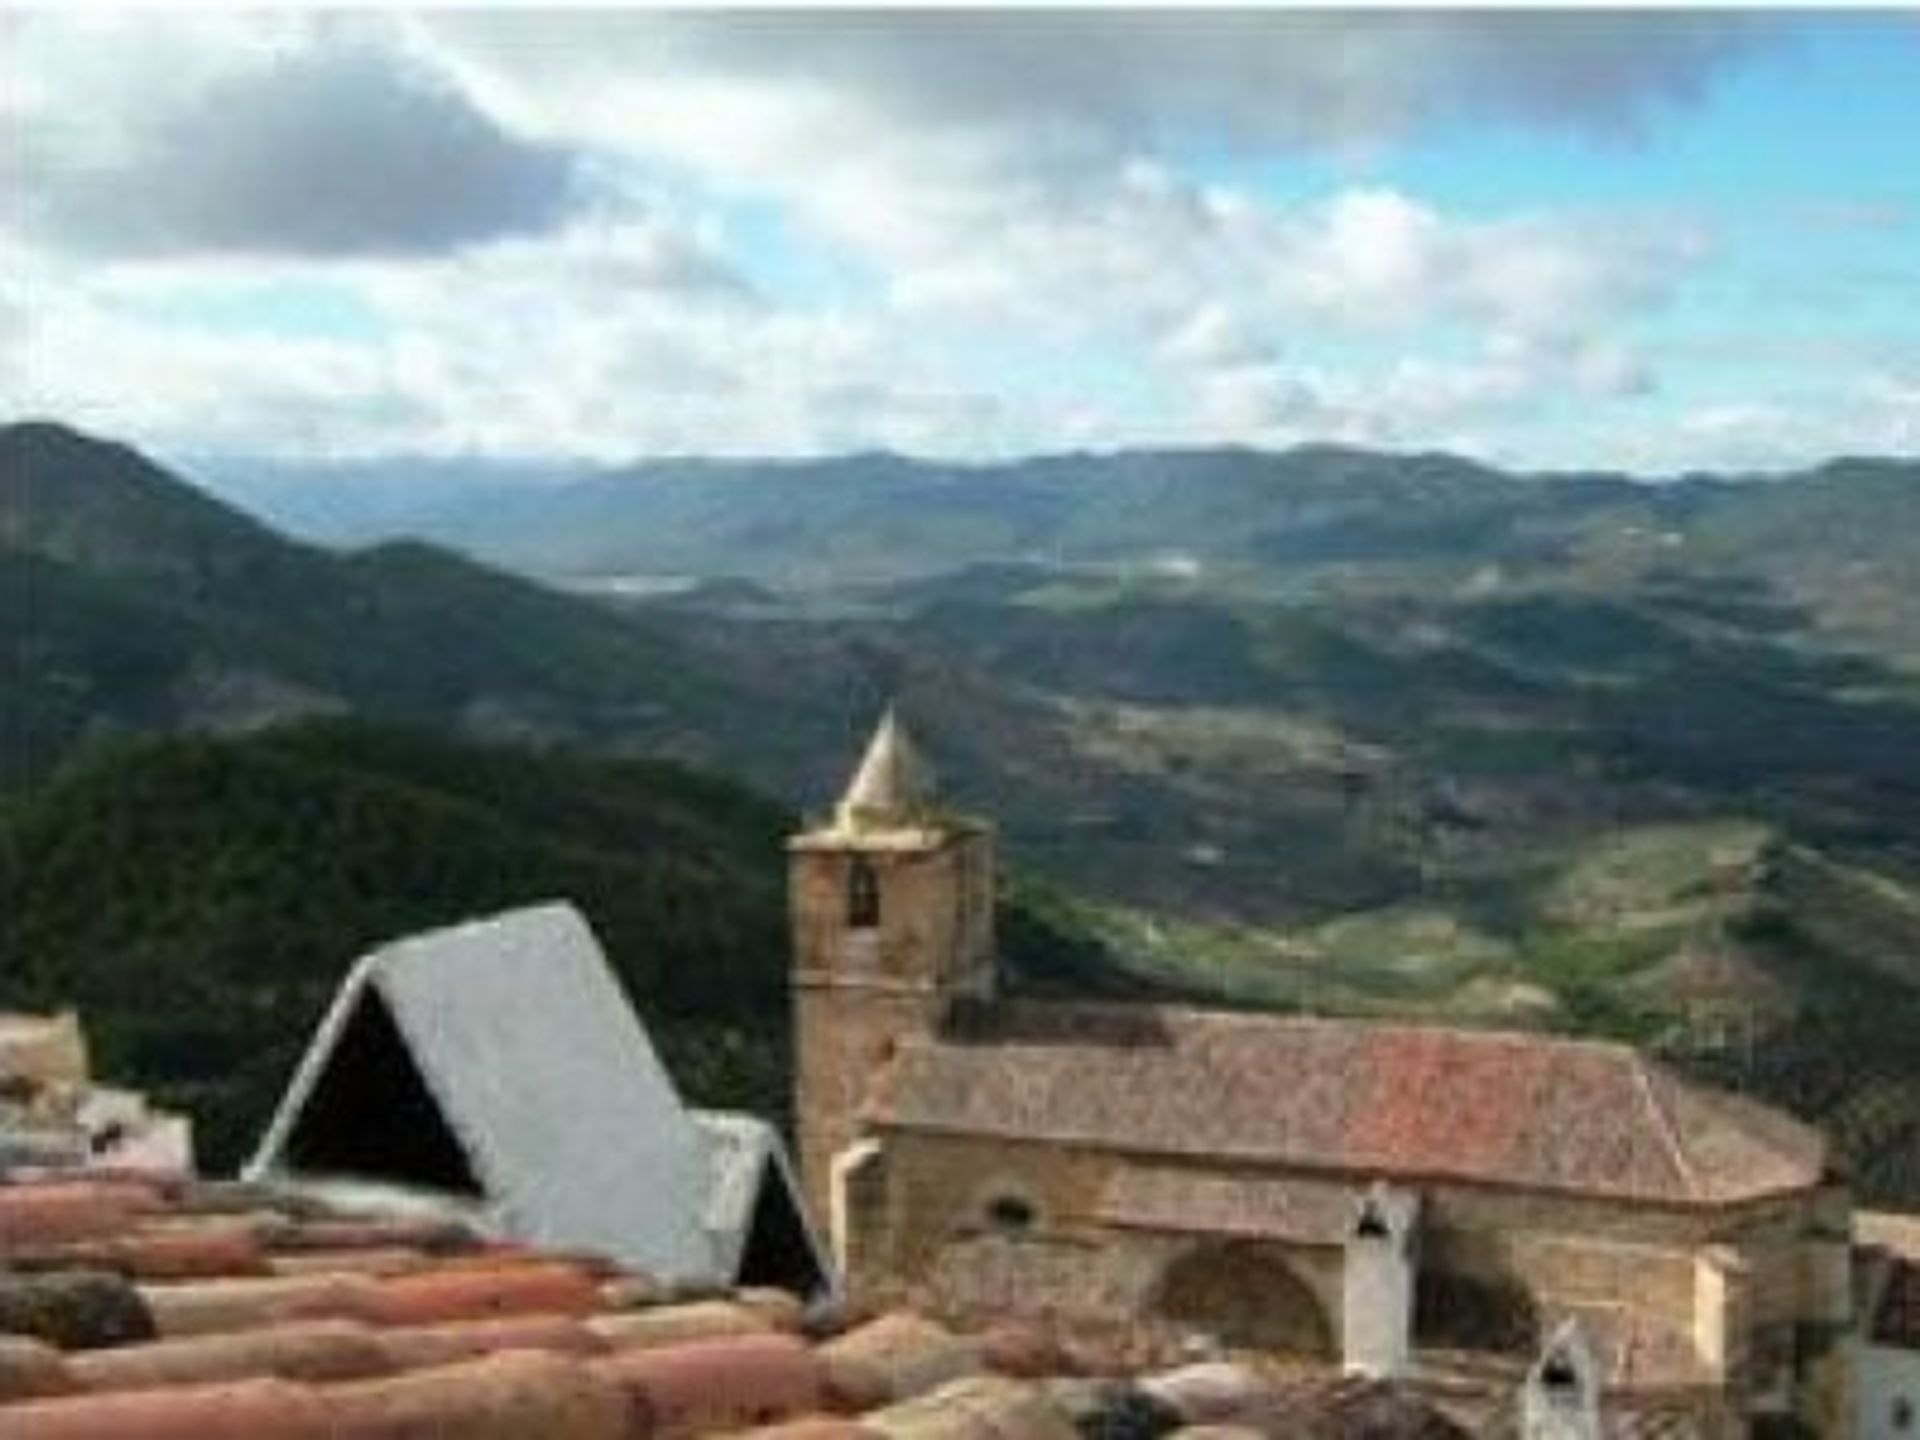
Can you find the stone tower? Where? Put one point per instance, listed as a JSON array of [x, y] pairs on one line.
[[892, 922]]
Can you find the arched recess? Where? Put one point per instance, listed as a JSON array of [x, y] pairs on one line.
[[1453, 1310], [863, 894], [1243, 1293]]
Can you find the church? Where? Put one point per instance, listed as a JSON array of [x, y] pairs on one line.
[[1321, 1187]]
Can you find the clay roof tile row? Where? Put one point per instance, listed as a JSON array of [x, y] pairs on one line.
[[278, 1320]]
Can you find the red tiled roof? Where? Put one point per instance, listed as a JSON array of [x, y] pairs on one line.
[[1351, 1097]]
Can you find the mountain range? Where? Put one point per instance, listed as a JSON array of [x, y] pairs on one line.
[[1325, 728]]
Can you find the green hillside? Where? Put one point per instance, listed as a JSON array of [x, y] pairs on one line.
[[133, 602], [199, 899]]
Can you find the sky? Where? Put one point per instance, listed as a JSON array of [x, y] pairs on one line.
[[1647, 240]]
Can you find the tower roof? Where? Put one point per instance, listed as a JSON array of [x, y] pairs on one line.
[[892, 788]]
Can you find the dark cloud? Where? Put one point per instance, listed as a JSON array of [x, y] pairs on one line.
[[324, 151], [1262, 77]]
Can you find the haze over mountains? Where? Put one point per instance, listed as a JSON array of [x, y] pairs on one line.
[[1294, 520], [1324, 727]]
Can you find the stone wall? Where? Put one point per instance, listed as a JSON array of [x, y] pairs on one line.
[[1524, 1258], [859, 991]]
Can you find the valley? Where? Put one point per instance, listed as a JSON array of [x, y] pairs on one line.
[[1323, 730]]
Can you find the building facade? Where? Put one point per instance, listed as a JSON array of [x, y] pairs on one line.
[[1309, 1185]]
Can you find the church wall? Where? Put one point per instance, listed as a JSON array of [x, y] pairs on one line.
[[945, 1186], [943, 1248]]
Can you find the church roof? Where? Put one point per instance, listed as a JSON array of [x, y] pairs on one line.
[[1349, 1097], [892, 787]]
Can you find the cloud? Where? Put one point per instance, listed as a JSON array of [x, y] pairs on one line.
[[1141, 78], [957, 232], [314, 149]]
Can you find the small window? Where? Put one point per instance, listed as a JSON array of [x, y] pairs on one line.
[[1902, 1414], [1010, 1213], [863, 895]]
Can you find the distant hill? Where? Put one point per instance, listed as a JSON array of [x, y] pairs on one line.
[[140, 603], [1309, 521]]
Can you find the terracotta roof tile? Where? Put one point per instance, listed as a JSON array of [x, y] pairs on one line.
[[515, 1396], [309, 1350], [811, 1427], [246, 1410], [210, 1307], [32, 1369], [984, 1407], [724, 1384], [378, 1261], [35, 1215], [676, 1324], [1348, 1097], [894, 1358], [414, 1347], [473, 1294]]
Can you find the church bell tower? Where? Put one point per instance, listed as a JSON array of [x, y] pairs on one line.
[[892, 922]]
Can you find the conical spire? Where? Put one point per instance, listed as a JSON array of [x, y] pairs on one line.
[[893, 786]]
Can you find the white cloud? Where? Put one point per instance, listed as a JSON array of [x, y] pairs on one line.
[[540, 212]]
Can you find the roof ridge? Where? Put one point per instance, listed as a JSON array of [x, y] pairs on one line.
[[1473, 1034], [1666, 1124]]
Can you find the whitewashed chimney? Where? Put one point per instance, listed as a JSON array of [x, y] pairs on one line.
[[1376, 1315], [1561, 1397]]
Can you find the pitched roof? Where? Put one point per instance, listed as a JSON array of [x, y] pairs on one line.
[[528, 1085], [892, 787], [1349, 1097]]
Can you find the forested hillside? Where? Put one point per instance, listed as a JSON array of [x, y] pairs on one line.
[[199, 899], [135, 603]]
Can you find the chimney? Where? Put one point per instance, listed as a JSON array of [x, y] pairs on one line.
[[1376, 1315], [1560, 1399]]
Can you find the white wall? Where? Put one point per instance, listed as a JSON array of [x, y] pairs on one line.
[[1883, 1376], [1376, 1309]]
